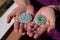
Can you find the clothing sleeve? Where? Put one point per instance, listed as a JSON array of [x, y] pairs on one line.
[[57, 23], [54, 34]]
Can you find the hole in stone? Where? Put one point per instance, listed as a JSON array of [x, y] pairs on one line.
[[40, 19]]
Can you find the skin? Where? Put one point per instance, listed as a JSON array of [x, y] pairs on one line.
[[19, 27], [31, 28], [22, 2], [22, 6], [38, 30]]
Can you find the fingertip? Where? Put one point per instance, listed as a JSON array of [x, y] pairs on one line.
[[35, 36], [8, 19], [27, 33], [23, 33], [31, 34], [48, 30]]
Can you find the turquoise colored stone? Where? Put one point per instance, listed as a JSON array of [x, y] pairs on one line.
[[25, 17], [40, 19]]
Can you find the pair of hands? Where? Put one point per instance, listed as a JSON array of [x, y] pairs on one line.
[[31, 28]]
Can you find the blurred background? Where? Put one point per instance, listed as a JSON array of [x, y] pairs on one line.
[[4, 5]]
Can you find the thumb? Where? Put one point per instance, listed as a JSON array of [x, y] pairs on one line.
[[50, 28], [51, 25]]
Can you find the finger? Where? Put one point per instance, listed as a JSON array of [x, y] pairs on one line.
[[35, 31], [16, 21], [35, 27], [50, 28], [45, 26], [39, 32], [36, 35], [28, 28], [25, 26], [23, 33], [30, 25], [16, 24], [12, 14], [21, 28], [30, 33], [24, 29]]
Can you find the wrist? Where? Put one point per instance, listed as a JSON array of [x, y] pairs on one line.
[[22, 3]]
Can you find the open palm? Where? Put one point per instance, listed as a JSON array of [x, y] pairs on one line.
[[38, 30]]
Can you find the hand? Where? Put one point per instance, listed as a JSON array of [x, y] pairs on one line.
[[15, 14], [19, 27], [38, 30], [50, 21]]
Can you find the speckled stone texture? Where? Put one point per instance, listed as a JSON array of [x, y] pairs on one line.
[[25, 17]]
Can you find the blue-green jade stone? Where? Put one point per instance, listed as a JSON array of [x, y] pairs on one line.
[[40, 19], [25, 17]]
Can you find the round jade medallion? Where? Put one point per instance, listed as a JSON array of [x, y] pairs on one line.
[[40, 19], [25, 17]]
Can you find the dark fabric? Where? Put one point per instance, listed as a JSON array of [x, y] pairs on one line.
[[26, 37], [49, 2], [57, 23], [42, 37], [36, 4]]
